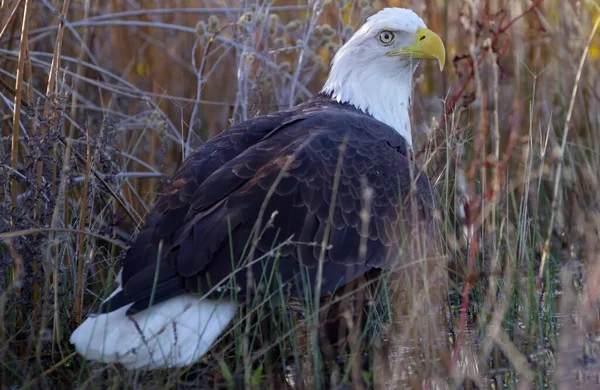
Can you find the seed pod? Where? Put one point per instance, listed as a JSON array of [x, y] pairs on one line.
[[285, 67], [332, 47], [201, 29], [213, 23], [318, 31], [327, 30], [324, 42], [248, 58], [155, 117], [318, 62], [273, 21], [273, 30], [246, 18], [293, 26], [279, 43]]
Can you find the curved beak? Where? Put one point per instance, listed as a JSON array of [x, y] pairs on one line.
[[428, 46]]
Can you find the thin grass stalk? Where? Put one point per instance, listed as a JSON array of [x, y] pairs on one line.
[[256, 236], [51, 88], [35, 262], [11, 17], [30, 99], [497, 237], [56, 256], [324, 246], [317, 8], [495, 142], [80, 282], [563, 146], [80, 67], [472, 232], [14, 157], [53, 74], [185, 148], [11, 40], [14, 160], [365, 219]]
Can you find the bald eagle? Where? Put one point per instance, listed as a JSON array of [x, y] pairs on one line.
[[271, 186]]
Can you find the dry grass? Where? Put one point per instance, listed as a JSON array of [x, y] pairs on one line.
[[101, 101]]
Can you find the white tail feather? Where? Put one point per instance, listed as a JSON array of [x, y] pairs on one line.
[[173, 333]]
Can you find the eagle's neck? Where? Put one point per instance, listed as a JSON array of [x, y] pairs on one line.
[[386, 95]]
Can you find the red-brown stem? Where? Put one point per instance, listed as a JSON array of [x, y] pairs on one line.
[[458, 94], [472, 231]]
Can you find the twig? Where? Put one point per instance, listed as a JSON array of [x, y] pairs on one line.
[[200, 82], [29, 232], [10, 18], [124, 175], [204, 10], [317, 8]]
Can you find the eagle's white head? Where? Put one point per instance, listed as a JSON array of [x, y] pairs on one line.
[[373, 70]]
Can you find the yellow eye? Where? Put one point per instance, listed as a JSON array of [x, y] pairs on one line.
[[386, 36]]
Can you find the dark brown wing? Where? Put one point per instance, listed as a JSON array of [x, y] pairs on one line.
[[202, 228]]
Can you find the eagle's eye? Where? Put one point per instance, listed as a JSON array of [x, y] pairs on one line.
[[386, 36]]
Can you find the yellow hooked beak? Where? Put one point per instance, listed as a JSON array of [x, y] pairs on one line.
[[428, 46]]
